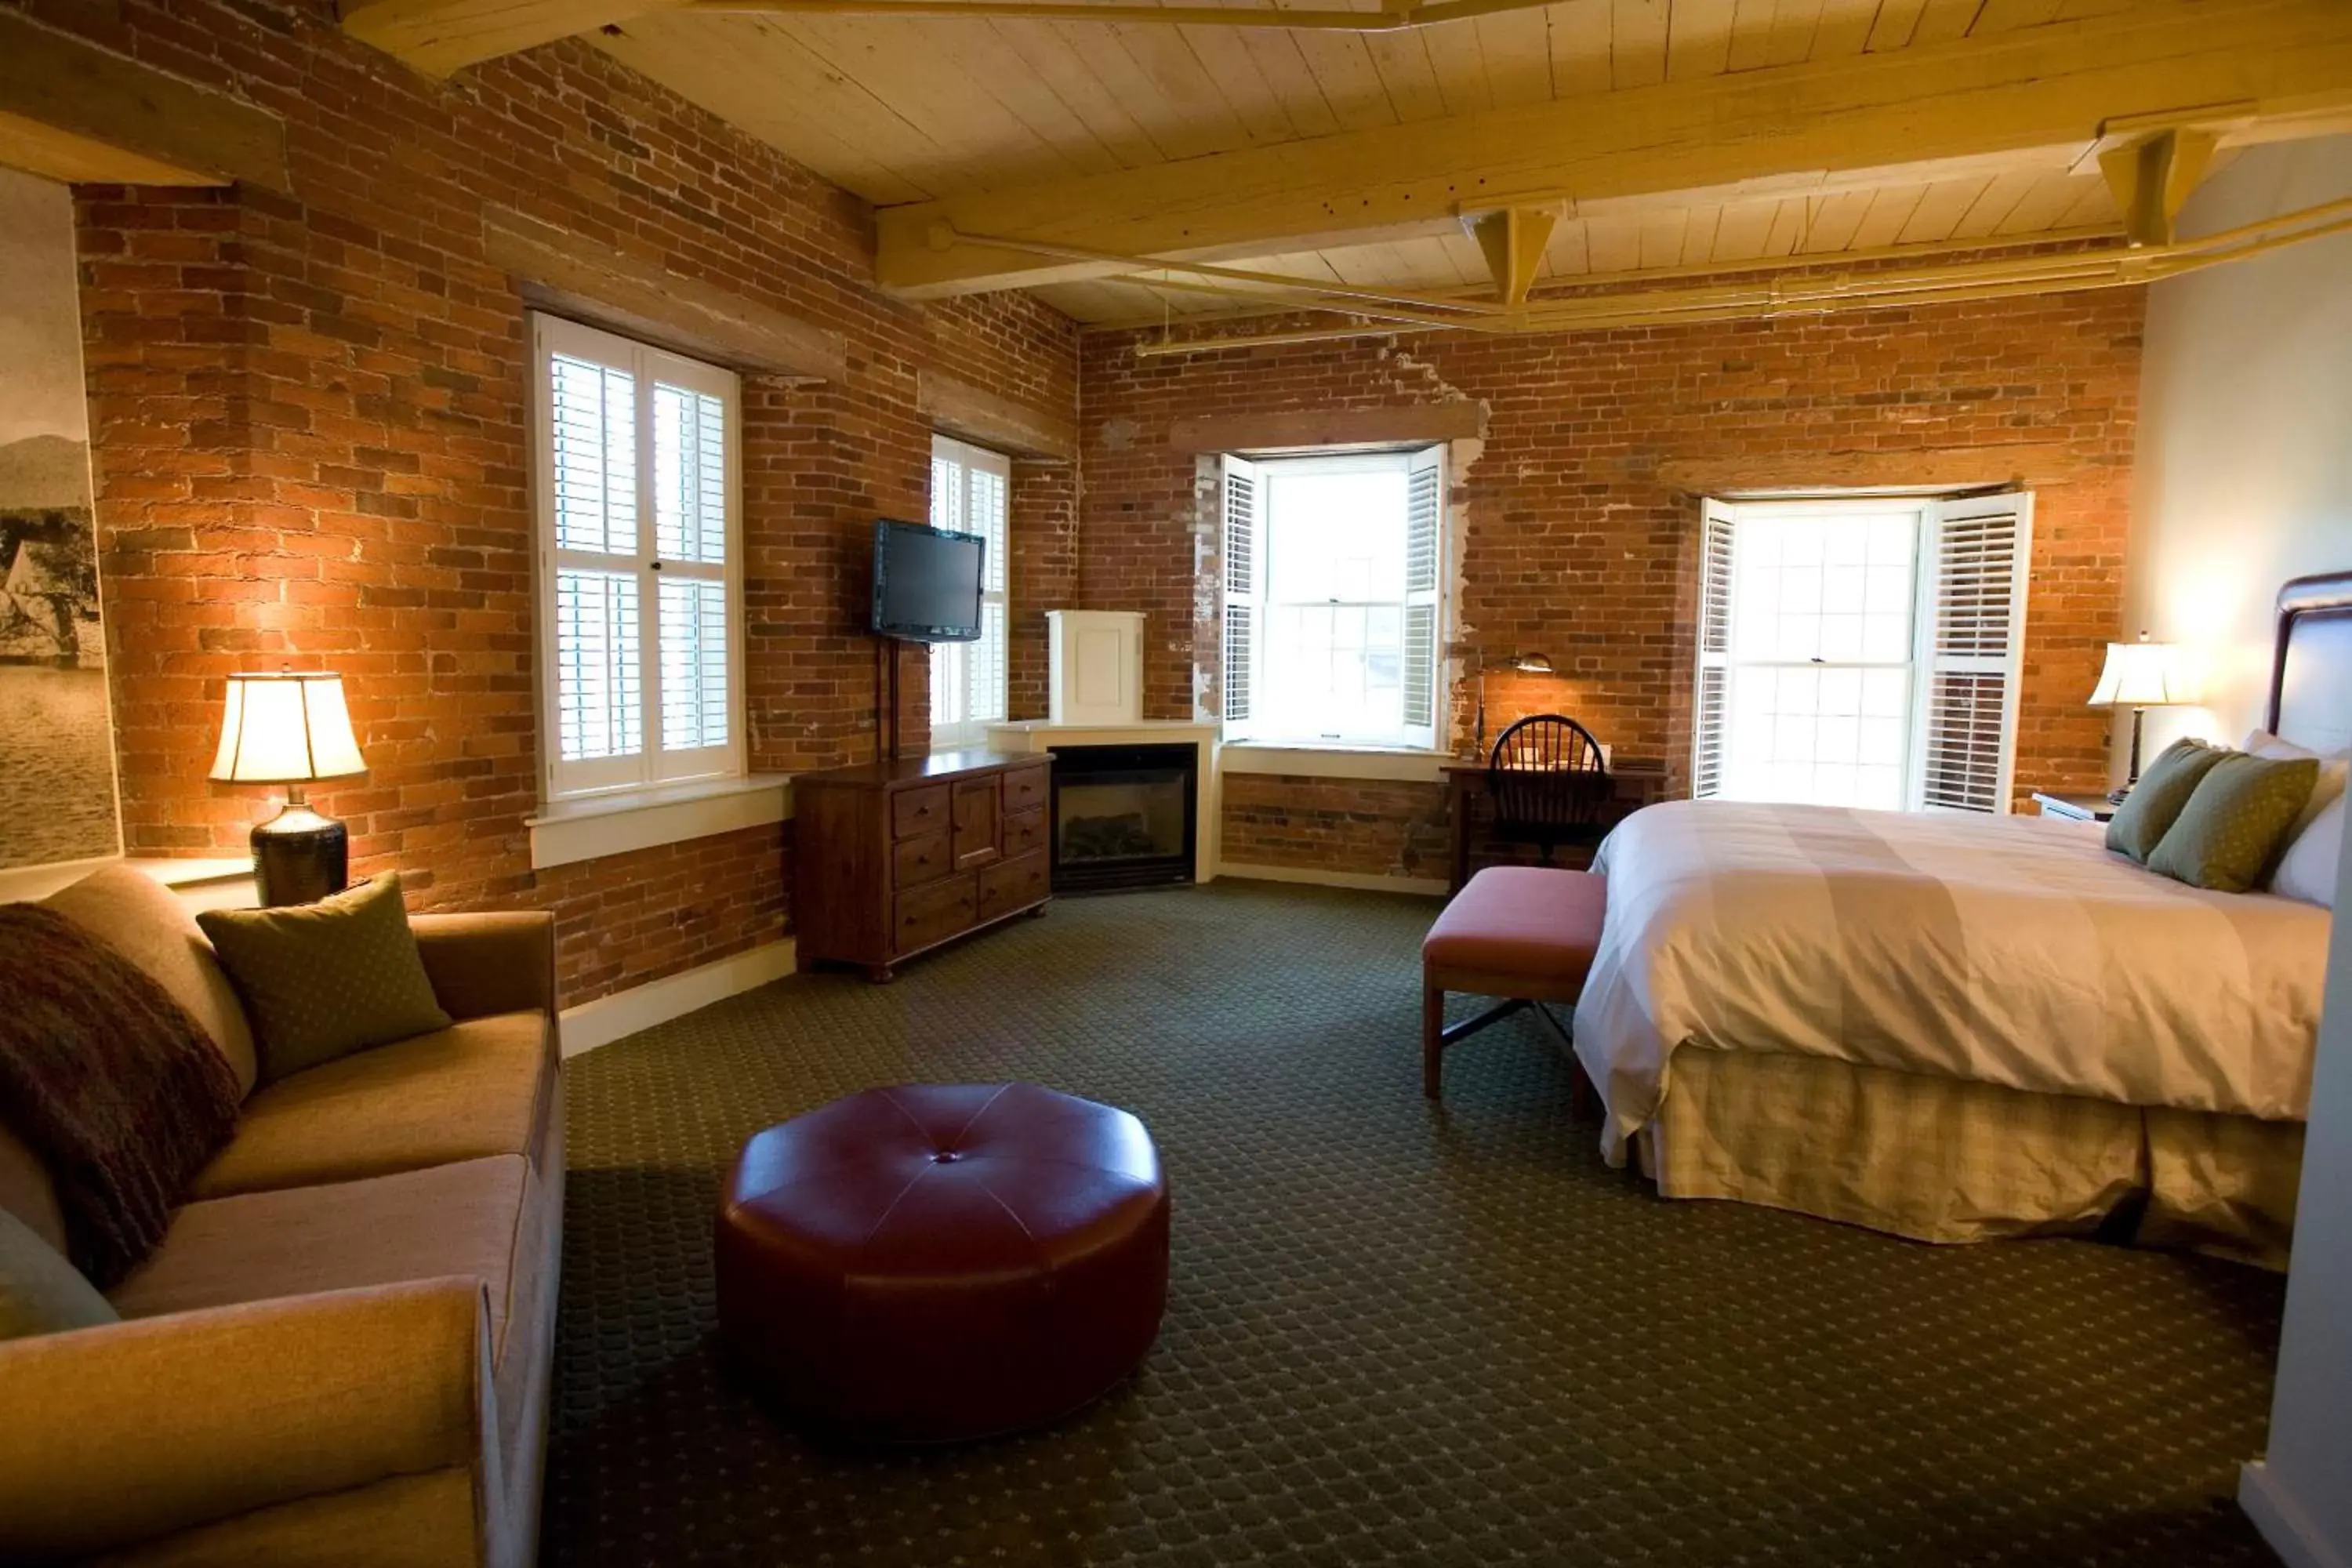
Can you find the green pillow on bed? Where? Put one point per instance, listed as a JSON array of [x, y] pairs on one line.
[[2236, 822], [2140, 821]]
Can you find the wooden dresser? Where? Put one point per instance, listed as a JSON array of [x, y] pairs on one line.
[[893, 858]]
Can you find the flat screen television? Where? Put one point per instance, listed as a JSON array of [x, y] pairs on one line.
[[927, 582]]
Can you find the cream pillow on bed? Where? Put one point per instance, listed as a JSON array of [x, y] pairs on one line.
[[2307, 869]]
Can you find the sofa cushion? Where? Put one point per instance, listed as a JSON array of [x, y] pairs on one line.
[[323, 980], [455, 1221], [473, 1089], [40, 1292], [109, 1080], [144, 922], [27, 1193]]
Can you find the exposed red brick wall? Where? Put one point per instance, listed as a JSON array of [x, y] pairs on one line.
[[1369, 828], [1577, 543], [1045, 554], [309, 437]]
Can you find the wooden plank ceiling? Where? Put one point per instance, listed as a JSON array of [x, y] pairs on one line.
[[903, 111]]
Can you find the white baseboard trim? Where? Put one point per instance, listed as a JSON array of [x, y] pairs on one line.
[[608, 1018], [1361, 882], [2282, 1521]]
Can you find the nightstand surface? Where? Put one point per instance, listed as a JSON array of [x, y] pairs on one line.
[[2075, 807]]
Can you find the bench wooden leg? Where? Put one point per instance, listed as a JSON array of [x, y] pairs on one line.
[[1432, 1036]]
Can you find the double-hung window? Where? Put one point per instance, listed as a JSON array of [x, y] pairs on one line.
[[1861, 652], [640, 558], [971, 490], [1333, 573]]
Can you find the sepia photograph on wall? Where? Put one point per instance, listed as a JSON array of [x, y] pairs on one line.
[[57, 763]]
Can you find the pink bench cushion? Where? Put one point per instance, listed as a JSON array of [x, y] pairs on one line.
[[1536, 920]]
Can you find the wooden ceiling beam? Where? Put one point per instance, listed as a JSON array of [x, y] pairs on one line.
[[441, 37], [2041, 95], [72, 111], [990, 419], [589, 280]]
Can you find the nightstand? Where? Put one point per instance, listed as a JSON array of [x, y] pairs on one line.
[[2075, 807]]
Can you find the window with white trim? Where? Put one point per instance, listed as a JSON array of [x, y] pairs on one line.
[[971, 492], [640, 563], [1861, 653], [1334, 573]]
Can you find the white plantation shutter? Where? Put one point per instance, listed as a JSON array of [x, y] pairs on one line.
[[599, 668], [593, 455], [1243, 535], [1973, 577], [987, 479], [642, 680], [971, 492], [694, 684], [1425, 551], [1709, 701]]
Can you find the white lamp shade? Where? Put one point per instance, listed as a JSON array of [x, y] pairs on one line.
[[286, 729], [2141, 675]]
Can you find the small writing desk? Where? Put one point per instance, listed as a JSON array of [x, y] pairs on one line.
[[1636, 782]]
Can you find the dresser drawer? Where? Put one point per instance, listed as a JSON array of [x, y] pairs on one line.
[[1010, 884], [1026, 788], [924, 859], [979, 817], [932, 913], [914, 811], [1025, 833]]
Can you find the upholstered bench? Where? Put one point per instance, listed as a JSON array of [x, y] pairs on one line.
[[938, 1262], [1527, 933]]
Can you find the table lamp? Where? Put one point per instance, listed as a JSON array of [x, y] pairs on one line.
[[2139, 676], [1524, 663], [290, 729]]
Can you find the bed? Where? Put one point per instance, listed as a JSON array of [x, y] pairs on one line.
[[1955, 1027]]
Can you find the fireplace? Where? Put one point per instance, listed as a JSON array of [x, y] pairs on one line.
[[1123, 817]]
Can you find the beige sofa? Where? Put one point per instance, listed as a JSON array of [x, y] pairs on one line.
[[342, 1350]]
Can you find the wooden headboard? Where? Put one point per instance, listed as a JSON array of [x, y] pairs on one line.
[[2311, 676]]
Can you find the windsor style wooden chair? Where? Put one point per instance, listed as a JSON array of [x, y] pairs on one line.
[[1547, 785]]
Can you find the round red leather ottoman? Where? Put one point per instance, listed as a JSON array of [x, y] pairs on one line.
[[943, 1262]]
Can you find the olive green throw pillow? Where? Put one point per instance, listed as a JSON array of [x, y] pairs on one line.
[[2236, 822], [321, 980], [40, 1292], [2139, 823]]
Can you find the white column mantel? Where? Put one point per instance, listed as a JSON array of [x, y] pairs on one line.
[[1036, 735]]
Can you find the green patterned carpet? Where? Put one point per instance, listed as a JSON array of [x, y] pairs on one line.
[[1395, 1334]]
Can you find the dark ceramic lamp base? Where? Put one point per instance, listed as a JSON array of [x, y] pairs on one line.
[[298, 855]]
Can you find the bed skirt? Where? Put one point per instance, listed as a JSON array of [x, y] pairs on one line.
[[1946, 1160]]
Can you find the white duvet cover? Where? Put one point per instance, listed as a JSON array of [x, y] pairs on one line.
[[2007, 950]]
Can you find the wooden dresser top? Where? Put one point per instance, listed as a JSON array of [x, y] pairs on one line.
[[930, 768]]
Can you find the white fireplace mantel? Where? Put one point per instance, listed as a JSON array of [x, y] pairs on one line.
[[1037, 735]]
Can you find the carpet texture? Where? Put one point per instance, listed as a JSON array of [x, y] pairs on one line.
[[1395, 1334]]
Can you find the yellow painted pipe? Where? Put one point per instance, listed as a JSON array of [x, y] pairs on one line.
[[1388, 20], [1998, 278]]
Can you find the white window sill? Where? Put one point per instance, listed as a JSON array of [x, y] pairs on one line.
[[1393, 762], [596, 826]]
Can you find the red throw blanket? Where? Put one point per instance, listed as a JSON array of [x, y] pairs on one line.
[[105, 1077]]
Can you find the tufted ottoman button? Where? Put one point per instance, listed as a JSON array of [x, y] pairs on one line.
[[875, 1279]]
